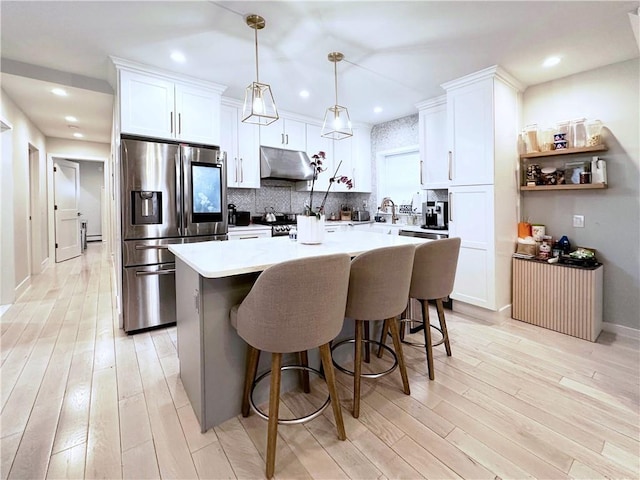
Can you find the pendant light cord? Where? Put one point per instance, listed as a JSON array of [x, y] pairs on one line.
[[335, 75], [256, 37]]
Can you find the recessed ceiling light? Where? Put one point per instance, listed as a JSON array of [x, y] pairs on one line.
[[73, 127], [78, 135], [59, 91], [70, 118], [178, 57], [551, 61], [377, 109], [304, 93]]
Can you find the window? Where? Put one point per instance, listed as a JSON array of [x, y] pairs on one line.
[[398, 175]]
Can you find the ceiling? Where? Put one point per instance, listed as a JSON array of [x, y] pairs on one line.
[[396, 53]]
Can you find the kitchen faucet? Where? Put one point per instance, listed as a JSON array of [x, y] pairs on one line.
[[386, 201]]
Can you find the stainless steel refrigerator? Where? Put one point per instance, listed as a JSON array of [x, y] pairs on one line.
[[171, 193]]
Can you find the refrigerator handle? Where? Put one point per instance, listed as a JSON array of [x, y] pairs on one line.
[[178, 190]]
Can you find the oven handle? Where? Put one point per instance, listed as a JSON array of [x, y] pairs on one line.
[[157, 272]]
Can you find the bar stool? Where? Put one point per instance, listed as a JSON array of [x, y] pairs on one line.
[[293, 306], [434, 272], [378, 290]]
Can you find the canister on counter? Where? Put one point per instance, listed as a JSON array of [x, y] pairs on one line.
[[537, 232]]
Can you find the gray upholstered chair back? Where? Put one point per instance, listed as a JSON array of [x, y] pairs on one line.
[[295, 305], [379, 283], [434, 269]]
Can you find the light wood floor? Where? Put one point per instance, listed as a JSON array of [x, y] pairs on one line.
[[82, 399]]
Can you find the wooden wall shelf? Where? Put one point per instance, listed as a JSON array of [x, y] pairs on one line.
[[570, 186], [564, 151]]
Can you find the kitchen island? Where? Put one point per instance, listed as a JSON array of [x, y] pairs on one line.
[[211, 277]]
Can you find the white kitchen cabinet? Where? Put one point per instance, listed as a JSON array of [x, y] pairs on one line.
[[245, 233], [240, 141], [434, 158], [162, 107], [284, 133], [330, 227], [316, 143], [376, 228], [355, 154], [482, 119]]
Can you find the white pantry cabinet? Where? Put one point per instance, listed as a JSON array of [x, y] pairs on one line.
[[482, 118], [284, 133], [241, 142], [163, 107], [435, 170]]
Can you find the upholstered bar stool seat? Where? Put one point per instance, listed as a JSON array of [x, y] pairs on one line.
[[293, 307], [378, 289], [434, 272]]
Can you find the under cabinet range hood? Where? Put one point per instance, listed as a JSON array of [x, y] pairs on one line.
[[284, 164]]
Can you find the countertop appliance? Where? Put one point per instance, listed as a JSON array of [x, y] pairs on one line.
[[360, 216], [281, 226], [435, 215], [171, 193]]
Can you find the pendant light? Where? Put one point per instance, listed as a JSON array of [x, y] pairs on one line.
[[259, 107], [337, 124]]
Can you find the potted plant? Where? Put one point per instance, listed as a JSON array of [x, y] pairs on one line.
[[311, 223]]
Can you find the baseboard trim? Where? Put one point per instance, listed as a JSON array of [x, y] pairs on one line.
[[482, 313], [23, 287], [621, 330]]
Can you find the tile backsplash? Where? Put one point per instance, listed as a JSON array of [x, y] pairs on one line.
[[283, 197]]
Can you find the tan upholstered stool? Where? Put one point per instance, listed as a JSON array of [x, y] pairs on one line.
[[293, 307], [378, 290], [434, 272]]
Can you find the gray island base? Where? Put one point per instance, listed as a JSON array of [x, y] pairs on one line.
[[211, 277]]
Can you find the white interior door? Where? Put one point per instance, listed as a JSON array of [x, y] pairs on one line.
[[66, 185]]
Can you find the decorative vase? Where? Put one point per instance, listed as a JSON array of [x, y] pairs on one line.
[[310, 229]]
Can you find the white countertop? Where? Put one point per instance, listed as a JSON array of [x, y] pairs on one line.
[[225, 259]]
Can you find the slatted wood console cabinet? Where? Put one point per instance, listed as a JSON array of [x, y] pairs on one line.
[[561, 298]]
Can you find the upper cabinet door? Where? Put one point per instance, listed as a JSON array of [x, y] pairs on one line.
[[284, 133], [146, 105], [471, 133], [229, 142], [248, 155], [198, 115], [434, 155]]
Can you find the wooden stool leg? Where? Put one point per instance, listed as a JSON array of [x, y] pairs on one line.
[[303, 358], [427, 337], [274, 405], [367, 345], [357, 369], [330, 376], [383, 338], [443, 326], [253, 356], [397, 344]]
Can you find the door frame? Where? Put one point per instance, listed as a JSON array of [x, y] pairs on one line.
[[108, 179]]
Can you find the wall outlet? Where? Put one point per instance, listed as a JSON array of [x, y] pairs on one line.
[[578, 221]]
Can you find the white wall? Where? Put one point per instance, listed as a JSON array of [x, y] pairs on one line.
[[612, 216], [15, 221]]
